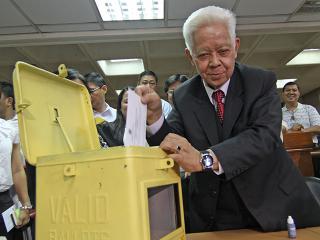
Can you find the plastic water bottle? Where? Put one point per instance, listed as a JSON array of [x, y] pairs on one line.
[[292, 232]]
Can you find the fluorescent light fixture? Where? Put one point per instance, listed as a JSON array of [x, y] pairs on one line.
[[119, 10], [282, 82], [307, 56], [124, 60], [118, 67]]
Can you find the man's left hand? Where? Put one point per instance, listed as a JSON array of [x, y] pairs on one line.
[[182, 152]]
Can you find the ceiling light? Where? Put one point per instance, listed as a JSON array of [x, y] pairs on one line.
[[282, 82], [307, 56], [118, 67], [124, 60], [119, 10]]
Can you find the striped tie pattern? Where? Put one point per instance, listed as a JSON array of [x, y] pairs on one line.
[[218, 96]]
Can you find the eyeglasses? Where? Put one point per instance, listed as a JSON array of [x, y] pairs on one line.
[[92, 90]]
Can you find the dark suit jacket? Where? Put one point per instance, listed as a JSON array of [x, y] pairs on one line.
[[248, 148]]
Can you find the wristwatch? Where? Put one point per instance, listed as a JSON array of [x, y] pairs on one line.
[[206, 161]]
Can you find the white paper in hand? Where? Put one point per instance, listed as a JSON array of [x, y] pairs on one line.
[[6, 215], [136, 123]]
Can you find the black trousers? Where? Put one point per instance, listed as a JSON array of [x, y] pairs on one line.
[[5, 203]]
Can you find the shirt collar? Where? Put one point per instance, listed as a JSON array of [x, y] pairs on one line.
[[210, 90], [298, 107], [107, 107]]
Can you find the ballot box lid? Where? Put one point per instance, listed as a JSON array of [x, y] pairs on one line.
[[54, 114]]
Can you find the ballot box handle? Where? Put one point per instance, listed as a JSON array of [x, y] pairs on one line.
[[63, 71]]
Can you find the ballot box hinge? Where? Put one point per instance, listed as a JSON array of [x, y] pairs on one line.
[[22, 106]]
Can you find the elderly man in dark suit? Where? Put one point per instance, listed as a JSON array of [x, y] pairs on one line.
[[224, 129]]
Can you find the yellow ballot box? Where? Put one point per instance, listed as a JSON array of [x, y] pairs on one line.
[[84, 192]]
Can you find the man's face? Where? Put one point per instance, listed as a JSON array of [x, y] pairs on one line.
[[124, 104], [97, 94], [148, 80], [3, 105], [291, 94], [214, 54]]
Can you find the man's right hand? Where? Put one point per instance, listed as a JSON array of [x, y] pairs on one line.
[[153, 101]]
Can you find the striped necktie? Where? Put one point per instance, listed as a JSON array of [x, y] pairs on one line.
[[218, 96]]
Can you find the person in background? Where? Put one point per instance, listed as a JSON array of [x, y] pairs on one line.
[[172, 83], [12, 172], [7, 103], [299, 117], [73, 75], [112, 133], [76, 76], [224, 129], [150, 79], [8, 113], [97, 88]]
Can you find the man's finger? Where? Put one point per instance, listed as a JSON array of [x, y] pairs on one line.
[[171, 146], [176, 157]]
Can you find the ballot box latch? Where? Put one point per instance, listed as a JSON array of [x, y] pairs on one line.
[[69, 170], [165, 164]]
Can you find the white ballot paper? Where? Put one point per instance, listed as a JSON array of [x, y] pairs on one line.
[[136, 123], [6, 215]]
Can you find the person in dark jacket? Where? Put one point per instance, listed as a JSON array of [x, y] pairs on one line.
[[224, 129]]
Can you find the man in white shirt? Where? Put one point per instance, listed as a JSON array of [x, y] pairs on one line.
[[7, 111], [299, 117], [7, 108], [97, 88], [149, 78], [11, 170]]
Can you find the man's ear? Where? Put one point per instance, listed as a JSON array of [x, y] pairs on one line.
[[188, 55], [236, 46], [104, 88], [9, 101]]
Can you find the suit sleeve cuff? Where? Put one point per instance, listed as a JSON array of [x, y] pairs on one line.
[[220, 171]]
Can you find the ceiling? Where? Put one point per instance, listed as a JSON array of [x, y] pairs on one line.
[[47, 33]]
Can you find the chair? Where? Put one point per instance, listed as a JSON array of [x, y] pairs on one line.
[[314, 185]]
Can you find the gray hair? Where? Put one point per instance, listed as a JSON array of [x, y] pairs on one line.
[[206, 16]]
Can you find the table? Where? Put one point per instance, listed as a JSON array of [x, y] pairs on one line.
[[247, 234], [303, 160], [316, 161], [299, 145]]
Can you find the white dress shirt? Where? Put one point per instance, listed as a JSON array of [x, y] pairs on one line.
[[8, 137], [109, 114]]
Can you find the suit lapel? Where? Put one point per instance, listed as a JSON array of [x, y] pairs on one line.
[[233, 104], [204, 111]]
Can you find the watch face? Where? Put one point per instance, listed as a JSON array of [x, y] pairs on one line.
[[207, 161]]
